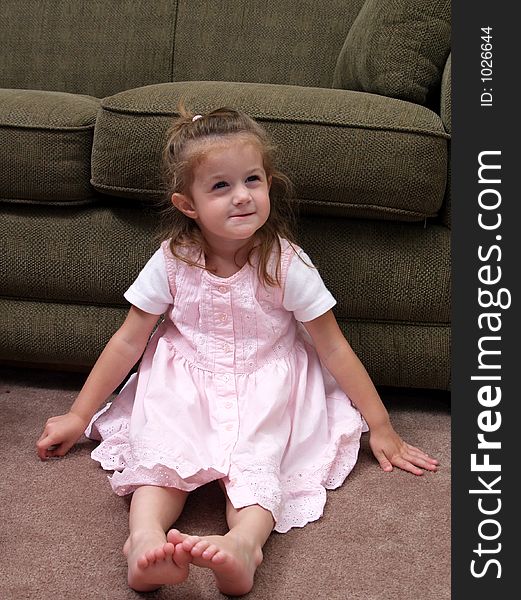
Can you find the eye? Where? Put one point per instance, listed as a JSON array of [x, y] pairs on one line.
[[219, 185], [253, 178]]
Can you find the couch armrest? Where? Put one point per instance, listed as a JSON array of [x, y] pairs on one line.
[[446, 118], [45, 146], [445, 96]]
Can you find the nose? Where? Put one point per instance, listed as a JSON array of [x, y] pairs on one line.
[[242, 195]]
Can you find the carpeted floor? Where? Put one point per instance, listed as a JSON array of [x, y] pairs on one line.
[[383, 536]]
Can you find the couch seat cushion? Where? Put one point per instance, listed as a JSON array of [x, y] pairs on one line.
[[378, 271], [348, 153], [45, 146]]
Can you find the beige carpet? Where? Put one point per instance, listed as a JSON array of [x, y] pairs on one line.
[[382, 536]]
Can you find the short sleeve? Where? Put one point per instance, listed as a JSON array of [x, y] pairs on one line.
[[305, 293], [150, 291]]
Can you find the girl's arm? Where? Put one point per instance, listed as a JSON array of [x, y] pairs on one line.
[[338, 357], [121, 353]]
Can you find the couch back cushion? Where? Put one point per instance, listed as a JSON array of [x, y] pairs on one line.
[[396, 48], [283, 41], [97, 47], [101, 47]]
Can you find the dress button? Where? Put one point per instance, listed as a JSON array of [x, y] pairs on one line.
[[223, 317], [228, 404], [223, 289], [229, 427]]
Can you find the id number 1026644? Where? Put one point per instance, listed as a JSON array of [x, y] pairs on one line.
[[486, 66]]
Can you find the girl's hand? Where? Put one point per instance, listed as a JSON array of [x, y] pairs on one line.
[[59, 435], [389, 449]]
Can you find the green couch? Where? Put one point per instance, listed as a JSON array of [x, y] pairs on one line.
[[356, 94]]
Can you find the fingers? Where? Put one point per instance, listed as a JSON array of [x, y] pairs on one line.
[[51, 443], [47, 442], [44, 445], [46, 448], [407, 465], [59, 450], [59, 435], [408, 458], [421, 455], [385, 464], [420, 459]]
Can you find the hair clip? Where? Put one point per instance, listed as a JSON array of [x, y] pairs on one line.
[[195, 117]]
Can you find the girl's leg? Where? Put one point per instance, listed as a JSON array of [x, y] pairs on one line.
[[234, 557], [152, 561]]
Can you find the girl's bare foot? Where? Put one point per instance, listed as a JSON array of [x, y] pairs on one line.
[[231, 557], [153, 562]]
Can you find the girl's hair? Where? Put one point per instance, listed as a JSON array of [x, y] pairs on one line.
[[189, 141]]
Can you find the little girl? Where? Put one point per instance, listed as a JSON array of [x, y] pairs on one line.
[[248, 379]]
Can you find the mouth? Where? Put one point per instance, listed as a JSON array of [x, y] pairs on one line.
[[241, 215]]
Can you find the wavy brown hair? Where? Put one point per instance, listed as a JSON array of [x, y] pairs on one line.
[[187, 145]]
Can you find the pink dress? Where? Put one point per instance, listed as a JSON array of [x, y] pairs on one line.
[[230, 387]]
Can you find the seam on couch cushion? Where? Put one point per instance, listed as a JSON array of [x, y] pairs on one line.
[[293, 121], [151, 100]]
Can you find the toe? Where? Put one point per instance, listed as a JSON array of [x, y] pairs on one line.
[[199, 548], [174, 536], [159, 554], [210, 552], [190, 541], [181, 557], [219, 558], [142, 562], [168, 549]]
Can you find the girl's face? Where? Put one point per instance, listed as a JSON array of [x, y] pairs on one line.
[[229, 197]]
